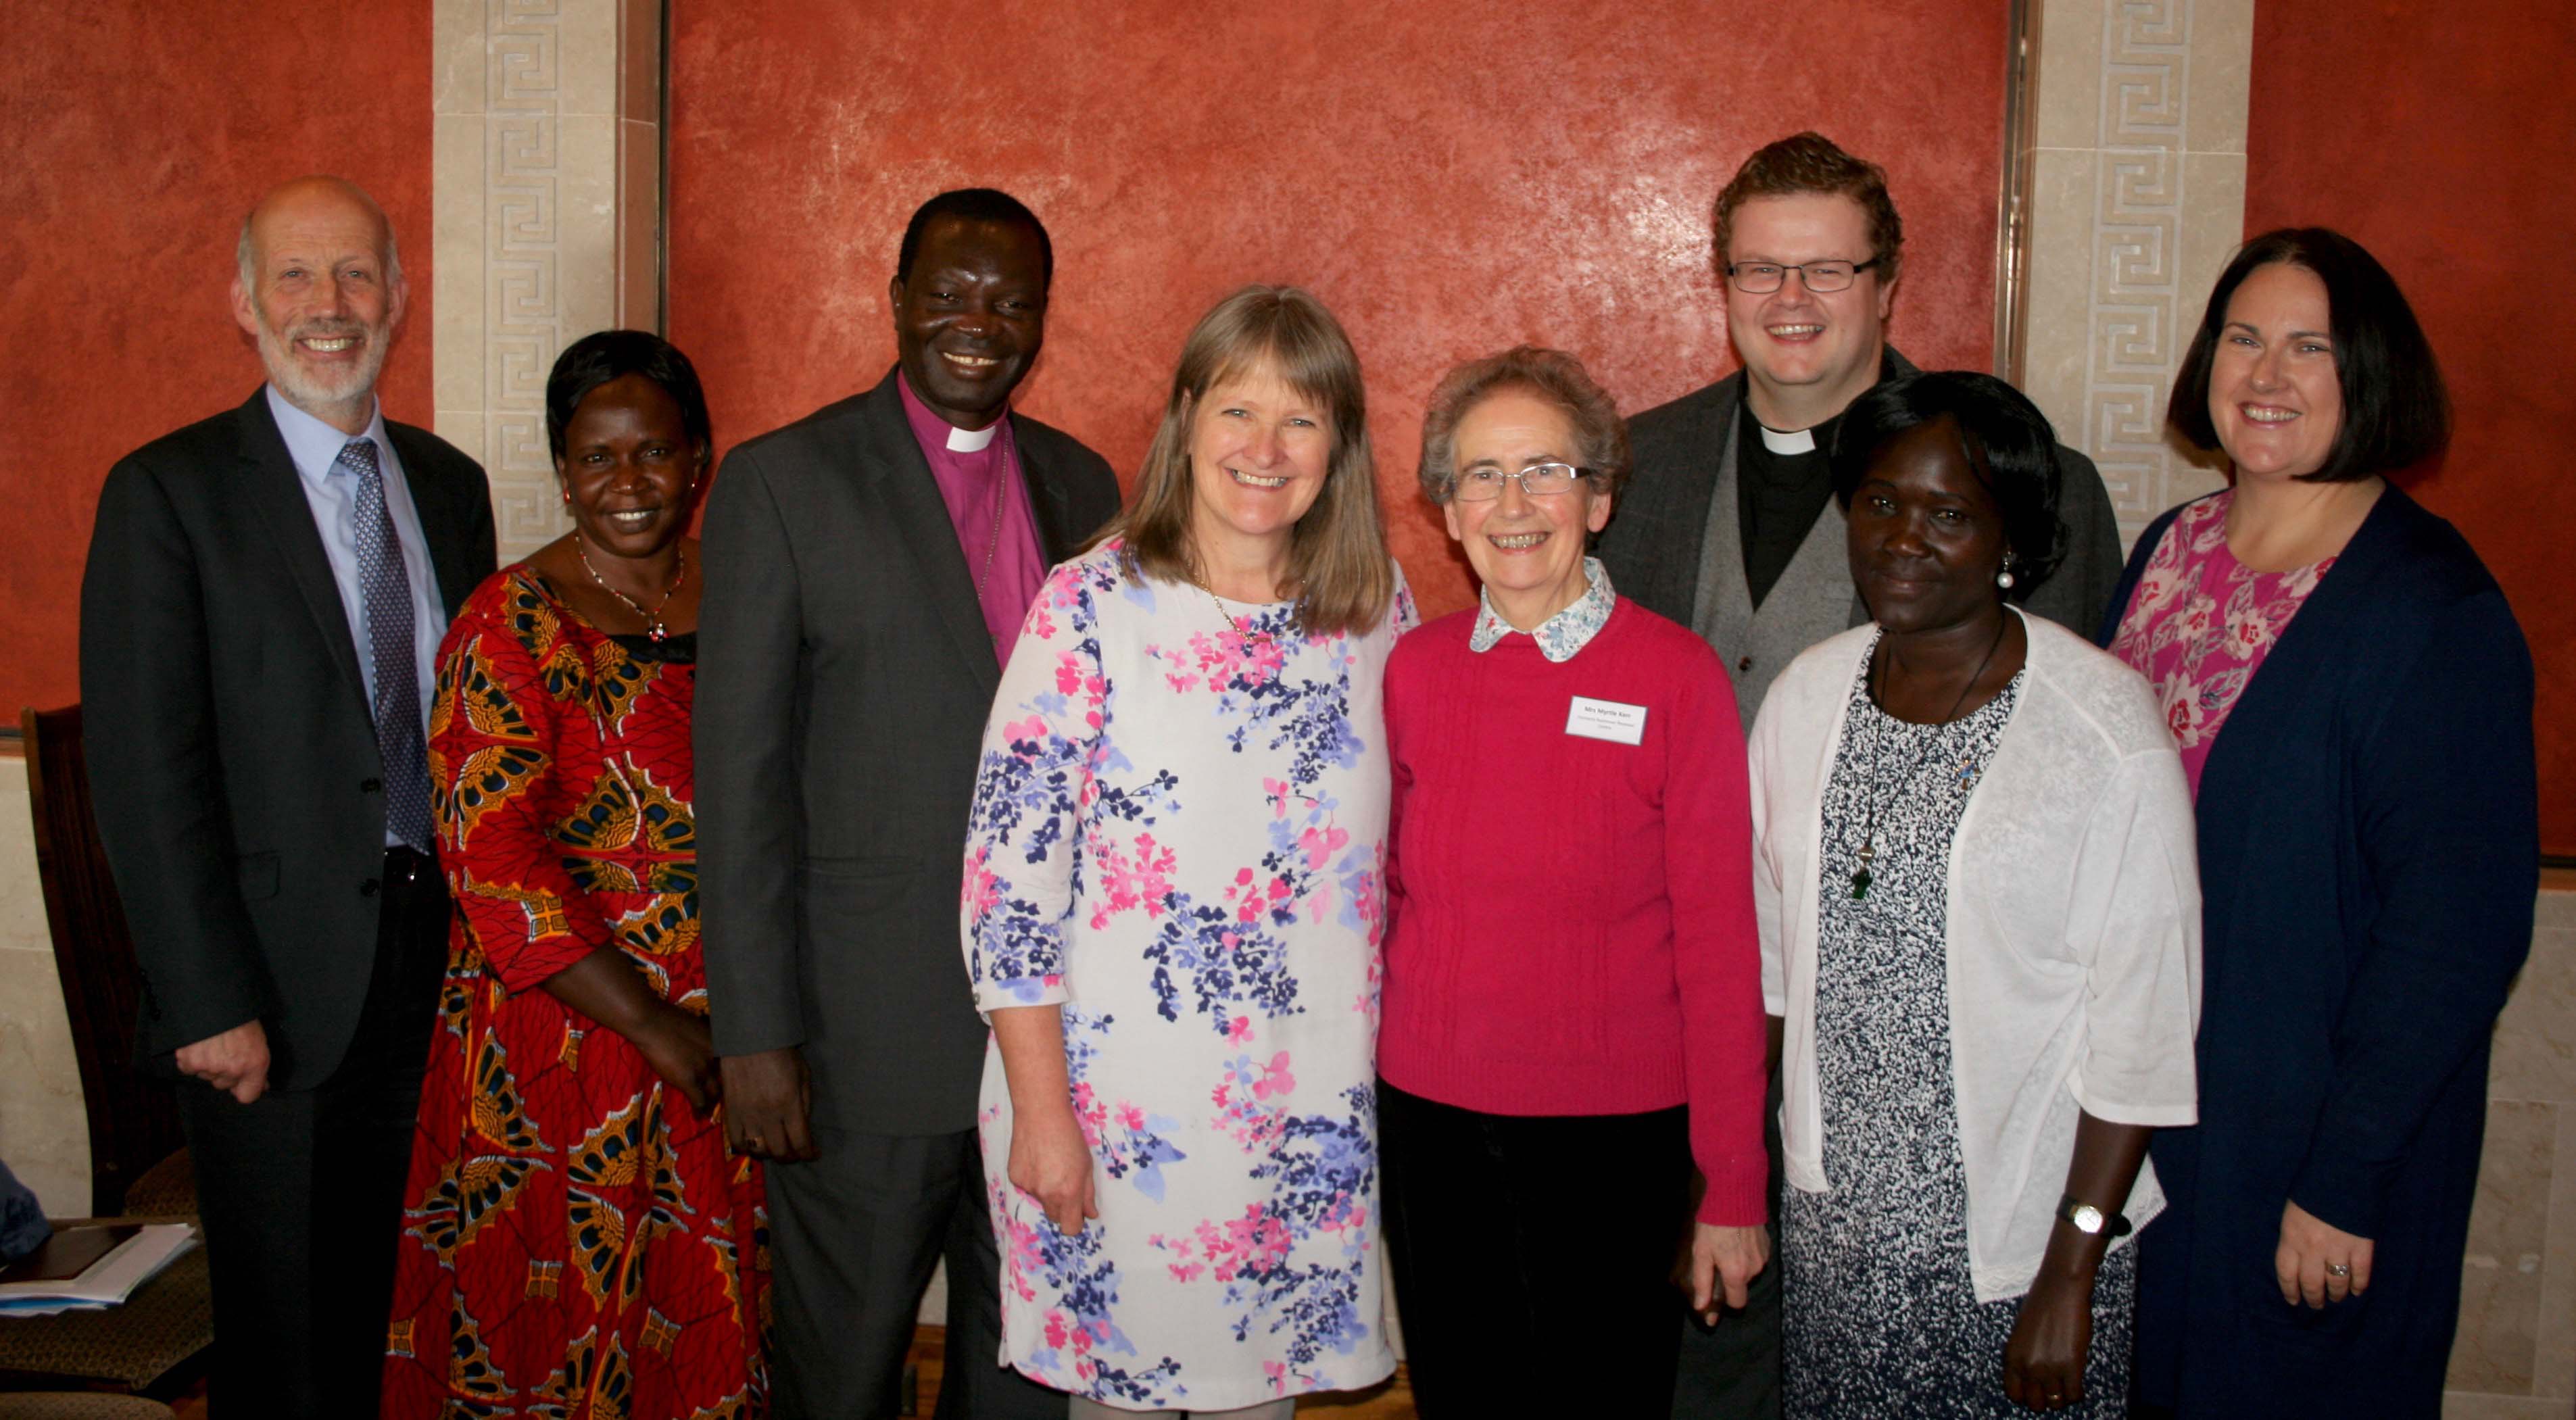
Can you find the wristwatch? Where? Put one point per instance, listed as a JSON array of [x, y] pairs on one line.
[[2091, 1220]]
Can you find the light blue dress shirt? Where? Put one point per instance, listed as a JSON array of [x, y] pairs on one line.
[[332, 493]]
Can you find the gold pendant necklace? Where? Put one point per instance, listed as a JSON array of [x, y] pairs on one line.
[[653, 628]]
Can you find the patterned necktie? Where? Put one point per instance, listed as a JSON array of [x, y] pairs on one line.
[[385, 588]]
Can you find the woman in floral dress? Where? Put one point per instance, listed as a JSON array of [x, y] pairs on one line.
[[1172, 905], [576, 1241]]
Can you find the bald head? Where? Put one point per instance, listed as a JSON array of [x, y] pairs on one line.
[[305, 194], [321, 291]]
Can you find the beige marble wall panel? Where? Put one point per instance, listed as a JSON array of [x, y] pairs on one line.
[[2526, 1209], [2535, 1042], [531, 192], [2554, 1347], [44, 1136], [456, 228], [2500, 1283], [2138, 194], [2456, 1406]]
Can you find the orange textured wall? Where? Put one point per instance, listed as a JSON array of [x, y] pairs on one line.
[[2443, 148], [1450, 177], [136, 134]]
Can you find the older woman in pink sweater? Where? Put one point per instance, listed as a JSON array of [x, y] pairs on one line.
[[1572, 1009]]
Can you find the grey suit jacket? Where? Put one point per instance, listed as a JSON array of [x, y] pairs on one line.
[[844, 673], [1652, 546], [232, 754]]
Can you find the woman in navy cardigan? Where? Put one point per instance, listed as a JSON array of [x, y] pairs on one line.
[[2368, 853]]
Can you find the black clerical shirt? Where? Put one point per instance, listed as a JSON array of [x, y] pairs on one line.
[[1778, 498]]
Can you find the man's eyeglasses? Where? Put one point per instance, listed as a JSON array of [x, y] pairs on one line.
[[1539, 480], [1761, 278]]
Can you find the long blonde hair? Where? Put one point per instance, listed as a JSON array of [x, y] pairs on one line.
[[1337, 558]]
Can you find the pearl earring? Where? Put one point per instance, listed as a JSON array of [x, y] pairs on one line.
[[2004, 579]]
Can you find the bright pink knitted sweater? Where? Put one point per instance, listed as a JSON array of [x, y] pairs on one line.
[[1571, 919]]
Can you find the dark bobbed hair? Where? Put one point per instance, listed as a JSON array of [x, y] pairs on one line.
[[2395, 409], [609, 355], [1337, 559], [2006, 440], [973, 204], [1600, 435]]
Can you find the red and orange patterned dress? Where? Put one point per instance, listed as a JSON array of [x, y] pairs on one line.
[[577, 1244]]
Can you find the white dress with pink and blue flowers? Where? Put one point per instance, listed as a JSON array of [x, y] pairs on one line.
[[1177, 835]]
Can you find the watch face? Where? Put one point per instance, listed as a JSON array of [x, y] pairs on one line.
[[2086, 1218]]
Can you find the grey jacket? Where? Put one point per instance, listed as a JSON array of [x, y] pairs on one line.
[[1656, 543], [844, 673]]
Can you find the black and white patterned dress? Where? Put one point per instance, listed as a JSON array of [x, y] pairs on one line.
[[1879, 1316]]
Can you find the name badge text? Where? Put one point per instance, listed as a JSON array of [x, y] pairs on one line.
[[1606, 720]]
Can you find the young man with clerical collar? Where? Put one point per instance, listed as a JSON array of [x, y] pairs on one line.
[[1729, 525]]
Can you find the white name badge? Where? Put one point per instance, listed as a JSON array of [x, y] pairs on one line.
[[1606, 720]]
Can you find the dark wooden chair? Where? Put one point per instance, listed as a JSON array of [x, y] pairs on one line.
[[138, 1160]]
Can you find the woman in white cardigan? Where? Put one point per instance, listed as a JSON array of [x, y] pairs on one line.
[[1973, 867]]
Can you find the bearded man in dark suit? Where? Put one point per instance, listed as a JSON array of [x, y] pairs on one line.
[[868, 567], [263, 602]]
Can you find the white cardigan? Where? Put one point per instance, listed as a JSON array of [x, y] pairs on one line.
[[2073, 931]]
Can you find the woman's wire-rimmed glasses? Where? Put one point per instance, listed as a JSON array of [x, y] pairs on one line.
[[1539, 480]]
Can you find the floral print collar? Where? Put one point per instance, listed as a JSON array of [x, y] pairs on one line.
[[1561, 635]]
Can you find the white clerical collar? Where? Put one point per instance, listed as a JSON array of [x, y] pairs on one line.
[[972, 441], [1796, 441]]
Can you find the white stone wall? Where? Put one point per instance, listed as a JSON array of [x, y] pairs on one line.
[[44, 1137], [547, 189]]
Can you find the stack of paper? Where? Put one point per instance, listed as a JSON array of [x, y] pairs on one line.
[[86, 1268]]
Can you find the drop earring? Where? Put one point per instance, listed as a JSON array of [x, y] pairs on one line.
[[2004, 578]]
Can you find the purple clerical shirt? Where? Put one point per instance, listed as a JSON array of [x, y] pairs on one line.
[[973, 468]]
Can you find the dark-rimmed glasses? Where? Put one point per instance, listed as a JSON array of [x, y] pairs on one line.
[[1761, 278]]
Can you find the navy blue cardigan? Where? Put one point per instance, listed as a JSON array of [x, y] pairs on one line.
[[2369, 858]]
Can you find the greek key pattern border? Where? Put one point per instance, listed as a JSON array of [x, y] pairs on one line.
[[2136, 328], [524, 318]]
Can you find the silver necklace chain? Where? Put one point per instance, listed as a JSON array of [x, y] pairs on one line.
[[1860, 878]]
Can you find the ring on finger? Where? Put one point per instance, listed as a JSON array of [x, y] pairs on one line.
[[2339, 1269]]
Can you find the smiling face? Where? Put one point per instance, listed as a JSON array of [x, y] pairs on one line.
[[320, 299], [1260, 451], [970, 316], [1806, 355], [1925, 537], [2275, 397], [1527, 551], [629, 466]]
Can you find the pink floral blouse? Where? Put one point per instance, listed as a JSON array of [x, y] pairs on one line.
[[2200, 623]]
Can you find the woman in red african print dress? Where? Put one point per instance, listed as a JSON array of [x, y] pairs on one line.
[[577, 1243]]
